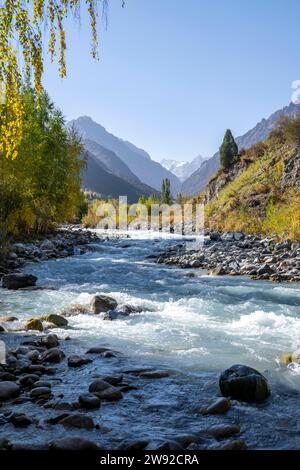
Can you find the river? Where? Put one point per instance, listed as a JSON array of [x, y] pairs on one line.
[[194, 327]]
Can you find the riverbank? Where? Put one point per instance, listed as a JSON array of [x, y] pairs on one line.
[[63, 242], [235, 254]]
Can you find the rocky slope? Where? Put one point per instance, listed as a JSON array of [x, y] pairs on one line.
[[260, 193], [198, 180], [98, 178]]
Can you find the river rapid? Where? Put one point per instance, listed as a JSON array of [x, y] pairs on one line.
[[194, 327]]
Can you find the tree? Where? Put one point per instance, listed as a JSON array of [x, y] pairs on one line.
[[228, 150], [165, 192], [26, 27], [41, 187]]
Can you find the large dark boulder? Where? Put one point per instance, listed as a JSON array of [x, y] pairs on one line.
[[244, 383], [18, 281]]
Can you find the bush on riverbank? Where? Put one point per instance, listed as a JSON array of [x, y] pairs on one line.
[[41, 187]]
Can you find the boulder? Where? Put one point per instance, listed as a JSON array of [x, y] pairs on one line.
[[89, 401], [74, 443], [8, 390], [98, 386], [155, 374], [220, 406], [49, 341], [97, 350], [244, 383], [74, 309], [103, 303], [18, 281], [52, 355], [222, 431], [237, 444], [110, 394], [34, 324], [28, 380], [78, 361], [40, 392], [8, 318], [56, 320], [113, 379], [20, 420], [78, 420]]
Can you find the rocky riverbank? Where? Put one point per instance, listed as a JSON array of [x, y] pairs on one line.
[[237, 254], [65, 241]]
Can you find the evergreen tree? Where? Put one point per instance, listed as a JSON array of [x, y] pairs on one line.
[[228, 150], [165, 192]]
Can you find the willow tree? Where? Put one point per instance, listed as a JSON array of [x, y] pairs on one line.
[[26, 26]]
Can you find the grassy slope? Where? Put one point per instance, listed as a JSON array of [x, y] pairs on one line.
[[256, 201]]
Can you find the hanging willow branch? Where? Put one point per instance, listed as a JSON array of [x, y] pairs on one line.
[[22, 36]]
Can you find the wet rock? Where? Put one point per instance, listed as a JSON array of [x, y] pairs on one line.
[[234, 445], [169, 445], [114, 315], [41, 383], [98, 386], [78, 361], [220, 406], [28, 380], [218, 271], [57, 419], [74, 443], [40, 392], [110, 394], [89, 401], [102, 304], [54, 355], [33, 355], [156, 374], [128, 309], [7, 377], [287, 358], [20, 420], [186, 440], [8, 318], [97, 350], [2, 329], [244, 383], [78, 420], [8, 390], [108, 354], [113, 379], [56, 320], [222, 431], [34, 324], [49, 341], [74, 309], [18, 281], [134, 445], [265, 269]]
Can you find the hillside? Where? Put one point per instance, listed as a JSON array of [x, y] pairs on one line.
[[261, 192], [97, 177], [198, 180], [137, 160]]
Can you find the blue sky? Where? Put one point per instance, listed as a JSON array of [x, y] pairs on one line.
[[174, 74]]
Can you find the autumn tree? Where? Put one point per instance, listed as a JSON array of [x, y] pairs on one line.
[[26, 27]]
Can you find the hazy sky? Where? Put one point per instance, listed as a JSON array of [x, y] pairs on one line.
[[174, 74]]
